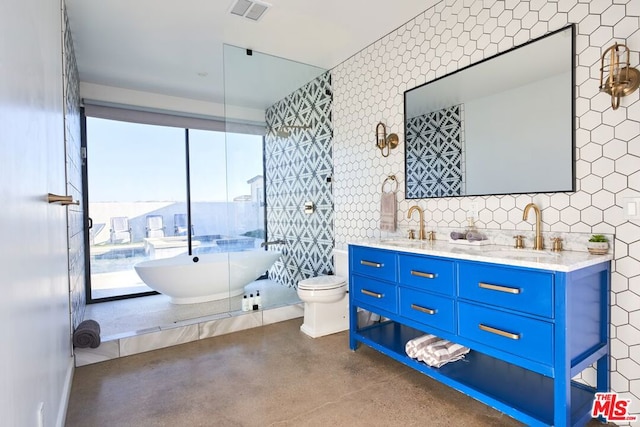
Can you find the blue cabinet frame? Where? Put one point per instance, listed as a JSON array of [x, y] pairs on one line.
[[537, 391]]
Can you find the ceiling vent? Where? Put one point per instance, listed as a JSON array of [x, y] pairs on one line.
[[250, 9]]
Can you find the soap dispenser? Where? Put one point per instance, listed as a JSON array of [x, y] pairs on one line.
[[258, 300]]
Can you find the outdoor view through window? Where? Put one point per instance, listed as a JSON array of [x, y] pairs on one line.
[[137, 192]]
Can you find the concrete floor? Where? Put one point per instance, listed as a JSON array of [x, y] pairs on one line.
[[268, 376]]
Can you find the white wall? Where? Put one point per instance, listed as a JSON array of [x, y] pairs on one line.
[[369, 87], [35, 359]]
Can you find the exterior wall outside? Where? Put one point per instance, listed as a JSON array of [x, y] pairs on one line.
[[36, 362], [369, 88], [208, 218]]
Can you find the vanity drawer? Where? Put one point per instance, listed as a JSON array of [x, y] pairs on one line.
[[374, 262], [430, 274], [523, 290], [374, 293], [525, 337], [426, 308]]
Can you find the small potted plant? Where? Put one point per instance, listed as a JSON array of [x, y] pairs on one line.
[[598, 244]]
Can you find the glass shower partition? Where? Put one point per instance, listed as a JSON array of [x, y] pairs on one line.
[[168, 191], [253, 83], [227, 213]]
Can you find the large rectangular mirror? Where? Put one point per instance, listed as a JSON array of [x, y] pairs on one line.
[[504, 125]]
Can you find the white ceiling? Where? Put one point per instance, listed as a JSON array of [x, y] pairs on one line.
[[176, 47]]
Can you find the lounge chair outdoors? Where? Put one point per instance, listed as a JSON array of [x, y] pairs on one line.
[[180, 225], [155, 226], [120, 231]]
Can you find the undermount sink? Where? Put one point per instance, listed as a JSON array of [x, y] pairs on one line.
[[402, 242], [520, 253]]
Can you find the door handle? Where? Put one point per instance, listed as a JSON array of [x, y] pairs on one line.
[[371, 294], [423, 309], [500, 332], [371, 264], [421, 274], [499, 288]]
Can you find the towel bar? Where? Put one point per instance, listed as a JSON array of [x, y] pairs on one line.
[[390, 178]]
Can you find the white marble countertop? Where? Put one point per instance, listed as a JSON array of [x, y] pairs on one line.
[[564, 261]]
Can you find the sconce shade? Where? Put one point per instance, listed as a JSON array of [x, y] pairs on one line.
[[383, 141], [617, 77]]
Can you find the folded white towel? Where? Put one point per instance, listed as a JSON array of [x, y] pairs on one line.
[[435, 351], [388, 211]]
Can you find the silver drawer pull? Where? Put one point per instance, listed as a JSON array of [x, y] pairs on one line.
[[371, 264], [499, 332], [371, 294], [423, 309], [421, 274], [499, 288]]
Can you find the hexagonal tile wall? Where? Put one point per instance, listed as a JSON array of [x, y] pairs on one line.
[[369, 87]]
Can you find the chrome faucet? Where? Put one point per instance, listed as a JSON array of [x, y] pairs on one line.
[[538, 243], [421, 213]]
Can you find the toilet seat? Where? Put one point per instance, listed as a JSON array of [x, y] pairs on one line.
[[321, 283]]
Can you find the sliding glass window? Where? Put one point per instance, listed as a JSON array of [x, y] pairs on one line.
[[140, 180], [135, 173]]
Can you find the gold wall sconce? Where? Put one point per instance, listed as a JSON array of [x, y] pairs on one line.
[[617, 77], [385, 141]]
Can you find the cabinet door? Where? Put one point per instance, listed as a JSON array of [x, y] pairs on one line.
[[528, 291], [376, 263], [430, 274], [525, 337], [374, 293], [428, 309]]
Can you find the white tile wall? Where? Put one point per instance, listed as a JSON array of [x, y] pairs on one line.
[[369, 88]]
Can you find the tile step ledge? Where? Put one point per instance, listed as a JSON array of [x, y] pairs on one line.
[[121, 345]]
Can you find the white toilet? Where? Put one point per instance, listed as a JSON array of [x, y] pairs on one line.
[[326, 300]]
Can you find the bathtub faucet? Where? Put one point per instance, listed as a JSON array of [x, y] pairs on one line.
[[274, 242]]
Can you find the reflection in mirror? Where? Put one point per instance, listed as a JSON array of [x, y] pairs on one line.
[[501, 126]]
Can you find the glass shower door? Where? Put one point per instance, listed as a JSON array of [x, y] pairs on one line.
[[227, 204]]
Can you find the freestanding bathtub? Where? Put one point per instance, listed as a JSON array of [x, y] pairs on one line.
[[188, 279]]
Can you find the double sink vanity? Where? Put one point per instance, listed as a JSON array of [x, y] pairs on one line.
[[533, 320]]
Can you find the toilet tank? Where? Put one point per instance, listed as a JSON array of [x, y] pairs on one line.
[[341, 263]]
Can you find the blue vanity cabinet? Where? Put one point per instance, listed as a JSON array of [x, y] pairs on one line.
[[530, 330]]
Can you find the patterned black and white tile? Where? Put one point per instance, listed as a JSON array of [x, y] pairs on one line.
[[299, 169], [75, 215]]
